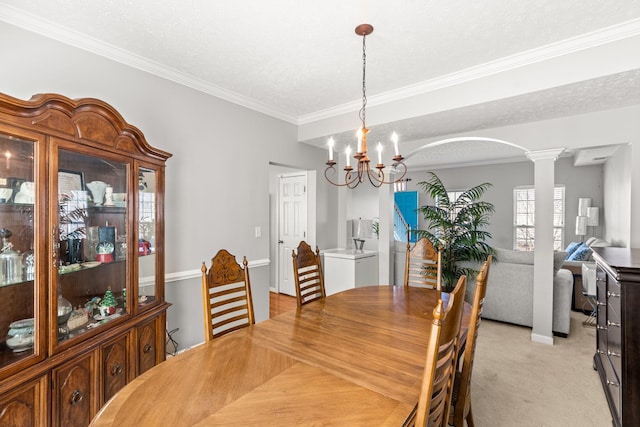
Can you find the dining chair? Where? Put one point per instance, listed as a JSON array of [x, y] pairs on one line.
[[440, 366], [226, 295], [421, 265], [461, 396], [307, 273]]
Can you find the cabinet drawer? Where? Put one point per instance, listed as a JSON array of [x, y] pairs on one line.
[[115, 367], [613, 294], [73, 392], [146, 346], [601, 324], [26, 406], [612, 385]]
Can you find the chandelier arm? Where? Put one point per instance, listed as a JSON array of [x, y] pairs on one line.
[[380, 178], [363, 168], [349, 178], [376, 179], [396, 165]]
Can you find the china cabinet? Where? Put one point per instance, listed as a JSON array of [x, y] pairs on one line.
[[82, 309]]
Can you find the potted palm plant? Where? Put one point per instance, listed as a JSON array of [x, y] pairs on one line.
[[456, 227]]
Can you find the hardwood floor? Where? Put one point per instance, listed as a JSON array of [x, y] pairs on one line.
[[279, 303]]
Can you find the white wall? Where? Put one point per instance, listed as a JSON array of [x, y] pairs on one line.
[[217, 182], [617, 184], [583, 181]]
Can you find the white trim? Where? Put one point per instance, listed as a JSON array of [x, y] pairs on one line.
[[575, 44], [543, 339], [551, 153], [192, 274], [74, 38], [68, 36]]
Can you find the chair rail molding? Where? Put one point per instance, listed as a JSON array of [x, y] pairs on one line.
[[197, 273]]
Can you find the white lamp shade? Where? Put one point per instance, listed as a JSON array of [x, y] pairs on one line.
[[583, 206], [593, 217], [581, 225], [362, 228]]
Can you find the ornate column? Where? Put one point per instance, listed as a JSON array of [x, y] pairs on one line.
[[544, 181]]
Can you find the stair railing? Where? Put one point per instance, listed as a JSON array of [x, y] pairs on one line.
[[401, 229]]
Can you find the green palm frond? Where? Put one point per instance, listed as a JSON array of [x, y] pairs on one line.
[[456, 227]]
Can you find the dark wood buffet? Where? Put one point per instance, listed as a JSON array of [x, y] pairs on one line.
[[617, 357]]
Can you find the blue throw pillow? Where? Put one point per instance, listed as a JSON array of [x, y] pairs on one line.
[[572, 247], [581, 254]]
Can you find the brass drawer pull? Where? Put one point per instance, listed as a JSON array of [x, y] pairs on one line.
[[147, 348], [610, 323], [613, 383], [117, 370], [613, 294], [601, 304], [611, 353], [76, 397], [601, 328]]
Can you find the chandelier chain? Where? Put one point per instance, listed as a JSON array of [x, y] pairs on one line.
[[363, 111]]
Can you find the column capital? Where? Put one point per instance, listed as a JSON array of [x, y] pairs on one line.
[[552, 154]]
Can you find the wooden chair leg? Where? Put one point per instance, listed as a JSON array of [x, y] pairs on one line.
[[470, 418]]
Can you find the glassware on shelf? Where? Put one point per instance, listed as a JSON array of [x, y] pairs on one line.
[[29, 264], [10, 260], [64, 311]]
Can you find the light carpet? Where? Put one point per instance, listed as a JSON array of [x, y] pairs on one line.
[[517, 382]]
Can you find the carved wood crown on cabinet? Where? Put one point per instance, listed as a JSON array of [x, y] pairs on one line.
[[61, 376]]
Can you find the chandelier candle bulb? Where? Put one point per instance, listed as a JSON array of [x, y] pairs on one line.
[[347, 152], [379, 154], [330, 143], [394, 138]]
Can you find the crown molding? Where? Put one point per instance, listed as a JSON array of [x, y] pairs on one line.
[[73, 38], [552, 154], [68, 36], [544, 53]]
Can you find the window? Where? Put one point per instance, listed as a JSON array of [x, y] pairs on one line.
[[453, 196], [524, 218]]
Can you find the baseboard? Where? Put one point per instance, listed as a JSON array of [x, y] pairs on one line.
[[543, 339]]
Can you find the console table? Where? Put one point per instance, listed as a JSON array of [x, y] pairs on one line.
[[617, 357], [347, 268]]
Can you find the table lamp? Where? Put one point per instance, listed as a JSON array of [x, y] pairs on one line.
[[361, 229]]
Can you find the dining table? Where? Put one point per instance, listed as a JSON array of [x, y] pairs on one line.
[[354, 358]]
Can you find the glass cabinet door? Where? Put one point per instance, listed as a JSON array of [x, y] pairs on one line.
[[92, 241], [147, 198], [18, 292]]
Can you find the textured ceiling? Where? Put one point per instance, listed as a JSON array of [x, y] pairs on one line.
[[294, 59]]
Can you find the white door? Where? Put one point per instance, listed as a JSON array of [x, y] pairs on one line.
[[292, 227]]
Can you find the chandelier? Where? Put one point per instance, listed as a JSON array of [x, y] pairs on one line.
[[363, 170]]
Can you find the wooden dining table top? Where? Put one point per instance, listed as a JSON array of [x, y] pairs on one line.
[[354, 358]]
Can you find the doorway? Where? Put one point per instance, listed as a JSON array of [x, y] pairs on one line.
[[293, 217], [292, 225]]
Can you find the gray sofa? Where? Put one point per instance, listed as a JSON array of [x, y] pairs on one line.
[[510, 290]]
